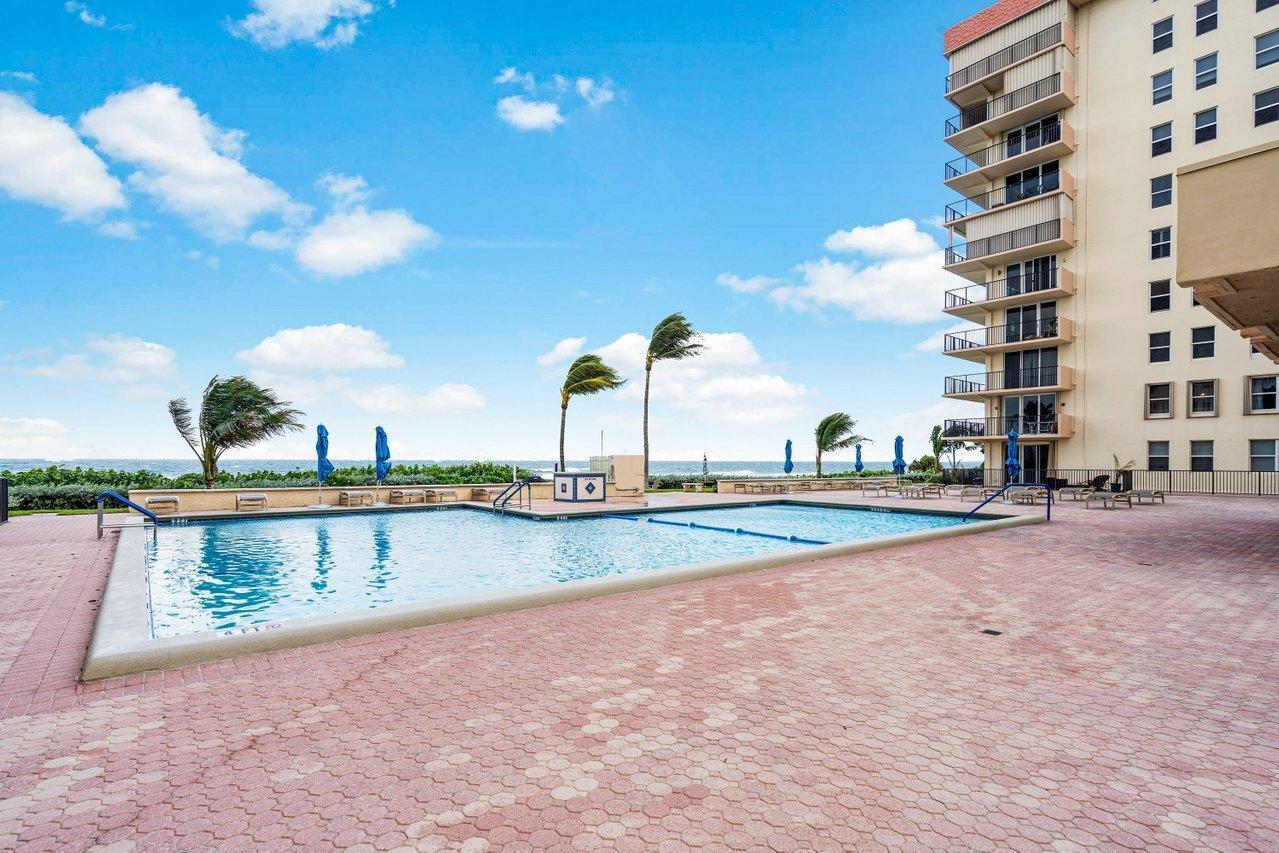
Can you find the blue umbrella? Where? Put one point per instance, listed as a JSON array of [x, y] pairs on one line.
[[323, 467], [382, 452], [899, 462], [858, 466], [1012, 464], [789, 466]]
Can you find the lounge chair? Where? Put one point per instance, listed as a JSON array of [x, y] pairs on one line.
[[1025, 496], [482, 494], [441, 496], [355, 497], [250, 500], [1108, 500], [953, 490], [975, 492], [162, 503], [918, 490], [1075, 493], [1149, 494], [407, 496], [694, 487]]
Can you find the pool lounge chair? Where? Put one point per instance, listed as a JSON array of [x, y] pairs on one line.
[[1025, 496], [407, 496], [443, 496], [1151, 495], [162, 503], [1075, 493], [250, 500], [355, 497], [1108, 500]]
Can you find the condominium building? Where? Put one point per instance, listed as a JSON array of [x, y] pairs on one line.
[[1116, 219]]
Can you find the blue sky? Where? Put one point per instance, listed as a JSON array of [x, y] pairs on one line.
[[413, 215]]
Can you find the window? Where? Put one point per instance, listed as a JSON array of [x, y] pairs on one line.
[[1161, 139], [1160, 295], [1265, 107], [1263, 455], [1156, 456], [1205, 17], [1161, 35], [1160, 347], [1203, 398], [1161, 87], [1267, 48], [1206, 126], [1159, 400], [1262, 5], [1206, 71], [1263, 394], [1160, 243], [1201, 456], [1161, 191], [1203, 342]]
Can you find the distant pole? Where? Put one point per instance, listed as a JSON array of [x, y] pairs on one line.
[[601, 442]]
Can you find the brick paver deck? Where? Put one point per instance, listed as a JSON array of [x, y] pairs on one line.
[[1132, 700]]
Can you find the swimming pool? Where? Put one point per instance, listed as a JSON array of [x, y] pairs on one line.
[[228, 574]]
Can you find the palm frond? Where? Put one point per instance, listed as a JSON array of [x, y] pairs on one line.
[[589, 375], [180, 412], [835, 432], [674, 338]]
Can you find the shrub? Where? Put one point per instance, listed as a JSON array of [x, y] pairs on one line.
[[61, 496]]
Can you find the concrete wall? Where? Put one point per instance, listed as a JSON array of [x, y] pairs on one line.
[[215, 500]]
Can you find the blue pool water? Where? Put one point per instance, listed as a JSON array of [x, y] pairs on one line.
[[228, 574]]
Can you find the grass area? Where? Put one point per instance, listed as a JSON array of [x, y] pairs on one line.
[[14, 513]]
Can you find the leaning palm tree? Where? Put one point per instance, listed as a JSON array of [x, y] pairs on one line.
[[673, 339], [835, 432], [234, 412], [588, 375]]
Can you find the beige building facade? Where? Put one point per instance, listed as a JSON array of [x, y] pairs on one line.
[[1117, 159]]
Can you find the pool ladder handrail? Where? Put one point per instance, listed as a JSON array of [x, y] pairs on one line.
[[153, 520], [515, 490], [1048, 507]]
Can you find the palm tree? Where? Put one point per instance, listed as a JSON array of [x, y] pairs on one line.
[[588, 375], [835, 432], [673, 339], [234, 412]]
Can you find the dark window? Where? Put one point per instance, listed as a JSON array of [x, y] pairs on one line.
[[1159, 400], [1201, 456], [1267, 48], [1160, 347], [1263, 455], [1161, 87], [1266, 4], [1206, 126], [1263, 394], [1206, 71], [1160, 243], [1161, 139], [1205, 17], [1160, 295], [1161, 35], [1265, 107], [1161, 191], [1156, 455], [1203, 342], [1203, 397]]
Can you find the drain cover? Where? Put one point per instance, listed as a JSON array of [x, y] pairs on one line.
[[991, 631]]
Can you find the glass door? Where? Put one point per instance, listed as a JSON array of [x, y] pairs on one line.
[[1034, 463]]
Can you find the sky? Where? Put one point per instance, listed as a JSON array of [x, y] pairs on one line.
[[412, 215]]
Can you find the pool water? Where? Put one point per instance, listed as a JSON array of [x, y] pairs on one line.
[[236, 573]]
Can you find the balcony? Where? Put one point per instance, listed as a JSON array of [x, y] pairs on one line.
[[978, 168], [958, 213], [976, 344], [977, 255], [985, 429], [980, 386], [972, 302], [984, 77], [984, 120]]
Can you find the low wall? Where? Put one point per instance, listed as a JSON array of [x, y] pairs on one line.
[[728, 487], [218, 500]]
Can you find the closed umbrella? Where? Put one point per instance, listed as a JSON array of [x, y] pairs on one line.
[[382, 452], [1012, 464], [788, 466], [858, 466], [323, 467], [899, 461]]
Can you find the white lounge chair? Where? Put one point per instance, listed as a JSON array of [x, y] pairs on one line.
[[1108, 500], [1151, 495], [407, 496], [355, 498], [162, 503], [250, 500]]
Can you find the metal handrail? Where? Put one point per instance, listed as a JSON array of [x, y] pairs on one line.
[[1018, 238], [1047, 489], [984, 427], [1000, 151], [1040, 328], [996, 107], [973, 294], [1001, 59], [103, 497], [998, 380], [1007, 194], [514, 490]]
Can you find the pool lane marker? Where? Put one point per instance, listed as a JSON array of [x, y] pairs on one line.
[[741, 531]]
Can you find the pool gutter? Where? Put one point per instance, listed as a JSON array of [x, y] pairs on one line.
[[122, 642]]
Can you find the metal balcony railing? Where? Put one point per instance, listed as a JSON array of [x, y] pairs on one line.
[[1008, 333], [975, 294], [996, 107], [1007, 194], [1001, 59], [992, 154], [1024, 425], [1005, 242], [1003, 380]]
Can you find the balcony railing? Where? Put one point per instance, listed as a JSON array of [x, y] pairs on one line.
[[1037, 329], [1007, 194], [1001, 59], [1006, 242], [1000, 288], [1024, 425], [1003, 380], [989, 156], [1181, 481], [996, 107]]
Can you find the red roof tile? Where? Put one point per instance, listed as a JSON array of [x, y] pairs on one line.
[[985, 21]]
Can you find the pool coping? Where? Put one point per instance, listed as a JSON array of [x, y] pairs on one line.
[[122, 644]]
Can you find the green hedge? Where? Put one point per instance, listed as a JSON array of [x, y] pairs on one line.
[[677, 481], [65, 496]]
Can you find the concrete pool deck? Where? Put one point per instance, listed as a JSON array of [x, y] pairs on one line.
[[1131, 700]]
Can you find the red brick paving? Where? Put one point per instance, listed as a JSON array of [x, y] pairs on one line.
[[1132, 701]]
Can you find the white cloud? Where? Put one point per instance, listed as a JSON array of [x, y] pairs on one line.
[[897, 239], [754, 284], [350, 242], [33, 438], [185, 161], [272, 241], [596, 94], [935, 341], [112, 358], [211, 261], [510, 75], [324, 23], [347, 190], [314, 348], [21, 76], [916, 427], [83, 12], [449, 397], [121, 229], [563, 351], [522, 114], [42, 160]]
